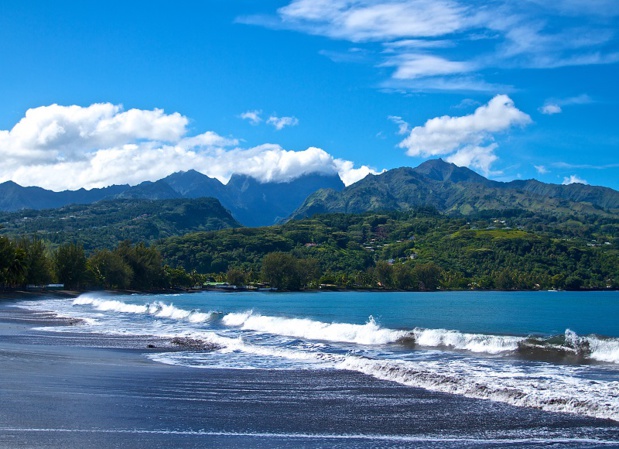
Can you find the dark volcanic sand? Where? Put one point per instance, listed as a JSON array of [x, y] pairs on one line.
[[70, 390]]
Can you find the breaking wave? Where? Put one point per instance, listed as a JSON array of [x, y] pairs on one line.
[[250, 340], [369, 333], [542, 389], [568, 347], [571, 347], [490, 344], [158, 309]]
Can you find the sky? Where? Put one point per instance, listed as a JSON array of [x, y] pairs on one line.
[[119, 92]]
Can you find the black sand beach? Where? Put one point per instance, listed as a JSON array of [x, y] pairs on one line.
[[74, 390]]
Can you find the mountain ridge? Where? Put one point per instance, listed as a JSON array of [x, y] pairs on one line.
[[251, 202], [442, 185], [453, 189], [106, 223]]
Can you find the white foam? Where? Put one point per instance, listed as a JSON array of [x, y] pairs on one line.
[[111, 305], [546, 387], [604, 350], [490, 344], [158, 309], [560, 388], [369, 333]]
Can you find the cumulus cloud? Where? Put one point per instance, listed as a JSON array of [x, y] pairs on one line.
[[282, 122], [69, 147], [466, 140], [49, 133], [541, 169], [573, 179], [349, 174], [475, 156]]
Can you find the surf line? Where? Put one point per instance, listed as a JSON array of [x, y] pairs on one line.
[[310, 436]]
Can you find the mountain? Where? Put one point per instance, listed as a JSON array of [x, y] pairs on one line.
[[193, 184], [600, 196], [251, 202], [453, 189], [263, 204], [106, 223], [159, 190], [15, 197]]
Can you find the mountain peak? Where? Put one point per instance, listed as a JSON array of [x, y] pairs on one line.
[[439, 170], [193, 184], [9, 184]]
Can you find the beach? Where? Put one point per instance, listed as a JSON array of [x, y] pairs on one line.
[[98, 391]]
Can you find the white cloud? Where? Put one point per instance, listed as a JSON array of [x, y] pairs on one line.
[[69, 147], [586, 166], [550, 109], [252, 116], [475, 156], [49, 133], [403, 126], [541, 169], [281, 122], [360, 20], [349, 175], [573, 179], [413, 66], [420, 37], [416, 44], [555, 106], [467, 140], [604, 8]]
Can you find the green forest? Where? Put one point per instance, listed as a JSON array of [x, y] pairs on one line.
[[107, 223], [418, 250]]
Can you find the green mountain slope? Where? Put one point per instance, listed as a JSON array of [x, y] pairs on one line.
[[453, 189], [520, 250], [104, 224]]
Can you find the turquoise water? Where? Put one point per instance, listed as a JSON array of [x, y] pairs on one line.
[[506, 313], [556, 351]]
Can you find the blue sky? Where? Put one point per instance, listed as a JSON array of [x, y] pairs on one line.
[[100, 93]]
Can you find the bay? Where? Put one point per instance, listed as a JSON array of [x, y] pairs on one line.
[[554, 351]]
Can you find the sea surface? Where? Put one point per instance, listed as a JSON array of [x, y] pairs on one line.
[[552, 351]]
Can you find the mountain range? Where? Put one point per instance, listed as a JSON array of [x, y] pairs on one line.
[[446, 187], [453, 189], [250, 202]]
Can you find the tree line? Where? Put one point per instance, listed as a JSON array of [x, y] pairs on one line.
[[28, 261], [419, 250]]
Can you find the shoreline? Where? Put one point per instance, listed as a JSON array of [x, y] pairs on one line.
[[34, 294], [91, 391]]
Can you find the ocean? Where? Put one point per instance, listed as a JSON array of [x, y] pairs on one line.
[[543, 353]]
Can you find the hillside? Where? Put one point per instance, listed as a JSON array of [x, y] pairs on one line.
[[518, 250], [453, 189], [106, 223]]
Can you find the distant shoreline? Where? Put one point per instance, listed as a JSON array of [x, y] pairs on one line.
[[35, 294]]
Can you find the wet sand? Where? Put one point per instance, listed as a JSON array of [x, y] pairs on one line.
[[62, 390]]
